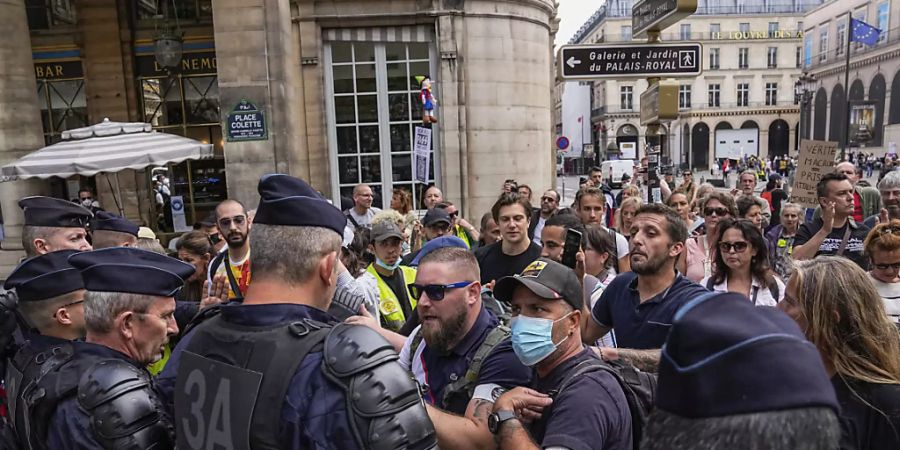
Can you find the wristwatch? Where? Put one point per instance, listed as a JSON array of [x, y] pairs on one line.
[[496, 419]]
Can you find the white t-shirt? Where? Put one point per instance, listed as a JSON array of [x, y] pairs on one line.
[[890, 294], [757, 289], [537, 230], [609, 340], [365, 220], [621, 244]]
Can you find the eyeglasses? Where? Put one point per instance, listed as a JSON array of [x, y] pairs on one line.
[[435, 292], [66, 306], [738, 247], [227, 221], [717, 211], [894, 266]]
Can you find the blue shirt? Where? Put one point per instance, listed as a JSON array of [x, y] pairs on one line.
[[592, 413], [642, 325], [501, 367], [70, 426], [314, 413]]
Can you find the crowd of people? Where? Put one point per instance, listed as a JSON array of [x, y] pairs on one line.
[[713, 320]]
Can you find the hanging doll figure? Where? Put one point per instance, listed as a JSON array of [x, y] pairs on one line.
[[428, 101]]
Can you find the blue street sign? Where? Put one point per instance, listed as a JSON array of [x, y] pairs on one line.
[[246, 123]]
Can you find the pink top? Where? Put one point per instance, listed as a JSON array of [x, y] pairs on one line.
[[699, 264]]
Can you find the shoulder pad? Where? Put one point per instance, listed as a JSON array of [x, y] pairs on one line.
[[351, 349], [201, 317], [125, 411]]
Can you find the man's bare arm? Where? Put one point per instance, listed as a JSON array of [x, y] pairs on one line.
[[646, 360], [463, 432], [591, 330]]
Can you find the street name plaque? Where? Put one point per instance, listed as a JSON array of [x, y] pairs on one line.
[[659, 102], [682, 59], [657, 15]]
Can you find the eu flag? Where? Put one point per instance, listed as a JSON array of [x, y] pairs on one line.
[[863, 32]]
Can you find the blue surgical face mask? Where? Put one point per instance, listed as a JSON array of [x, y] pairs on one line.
[[532, 338], [385, 265]]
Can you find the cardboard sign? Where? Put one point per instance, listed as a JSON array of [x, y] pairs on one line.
[[815, 160]]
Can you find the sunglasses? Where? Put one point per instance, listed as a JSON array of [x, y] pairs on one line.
[[435, 292], [894, 266], [738, 247], [717, 211], [548, 199], [227, 221], [453, 215]]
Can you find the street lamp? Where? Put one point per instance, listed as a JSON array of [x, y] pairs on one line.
[[803, 92], [167, 45]]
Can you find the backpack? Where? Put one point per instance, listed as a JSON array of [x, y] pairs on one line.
[[639, 388], [232, 283]]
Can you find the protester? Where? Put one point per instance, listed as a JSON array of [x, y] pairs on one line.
[[390, 215], [737, 377], [395, 301], [839, 310], [680, 203], [209, 226], [549, 208], [589, 411], [509, 187], [591, 208], [751, 208], [866, 199], [460, 227], [297, 236], [86, 199], [775, 194], [431, 197], [515, 250], [128, 324], [625, 215], [459, 353], [599, 254], [748, 179], [780, 239], [700, 253], [640, 306], [702, 191], [525, 191], [401, 201], [52, 224], [883, 248], [490, 231], [435, 224], [835, 233], [889, 189], [742, 264], [553, 236], [231, 219], [110, 230], [687, 187], [362, 212]]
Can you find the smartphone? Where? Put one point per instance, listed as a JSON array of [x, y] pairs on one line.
[[571, 247]]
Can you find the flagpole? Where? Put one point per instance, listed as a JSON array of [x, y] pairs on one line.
[[846, 140]]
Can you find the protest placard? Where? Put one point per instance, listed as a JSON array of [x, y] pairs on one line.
[[816, 159], [422, 155]]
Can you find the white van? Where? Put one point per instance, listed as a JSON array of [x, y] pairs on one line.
[[613, 171]]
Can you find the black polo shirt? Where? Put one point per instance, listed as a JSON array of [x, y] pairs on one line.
[[435, 370], [831, 244], [642, 325], [590, 414], [495, 264]]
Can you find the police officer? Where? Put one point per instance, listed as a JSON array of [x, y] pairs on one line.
[[97, 394], [53, 224], [271, 372], [51, 297], [110, 230]]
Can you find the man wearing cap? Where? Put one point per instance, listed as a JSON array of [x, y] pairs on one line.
[[53, 224], [641, 305], [97, 394], [395, 302], [110, 230], [435, 224], [740, 377], [589, 409], [233, 263], [286, 374], [460, 227], [459, 353]]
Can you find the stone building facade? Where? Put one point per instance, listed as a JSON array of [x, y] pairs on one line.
[[338, 81], [751, 60]]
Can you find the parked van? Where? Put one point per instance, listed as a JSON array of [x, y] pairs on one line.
[[613, 171]]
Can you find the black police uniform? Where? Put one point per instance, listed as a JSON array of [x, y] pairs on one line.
[[282, 375], [90, 396]]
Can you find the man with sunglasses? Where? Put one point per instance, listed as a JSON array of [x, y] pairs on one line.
[[459, 227], [459, 353], [835, 233], [85, 387], [549, 206], [234, 225]]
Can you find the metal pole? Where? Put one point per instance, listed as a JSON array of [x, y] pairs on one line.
[[846, 141]]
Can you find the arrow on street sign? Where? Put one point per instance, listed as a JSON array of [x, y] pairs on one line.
[[678, 59]]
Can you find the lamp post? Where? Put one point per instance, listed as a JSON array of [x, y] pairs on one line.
[[803, 92], [168, 44]]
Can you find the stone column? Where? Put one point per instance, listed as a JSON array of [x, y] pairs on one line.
[[21, 131], [258, 60]]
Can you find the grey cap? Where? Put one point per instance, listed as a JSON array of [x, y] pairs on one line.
[[385, 230]]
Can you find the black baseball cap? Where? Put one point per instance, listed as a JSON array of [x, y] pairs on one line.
[[545, 278], [435, 215]]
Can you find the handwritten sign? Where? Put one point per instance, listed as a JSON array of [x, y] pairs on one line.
[[421, 155], [815, 160]]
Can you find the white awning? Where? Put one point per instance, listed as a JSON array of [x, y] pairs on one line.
[[108, 147]]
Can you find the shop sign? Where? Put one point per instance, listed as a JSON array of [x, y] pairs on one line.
[[199, 63], [246, 123], [58, 70], [752, 35]]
